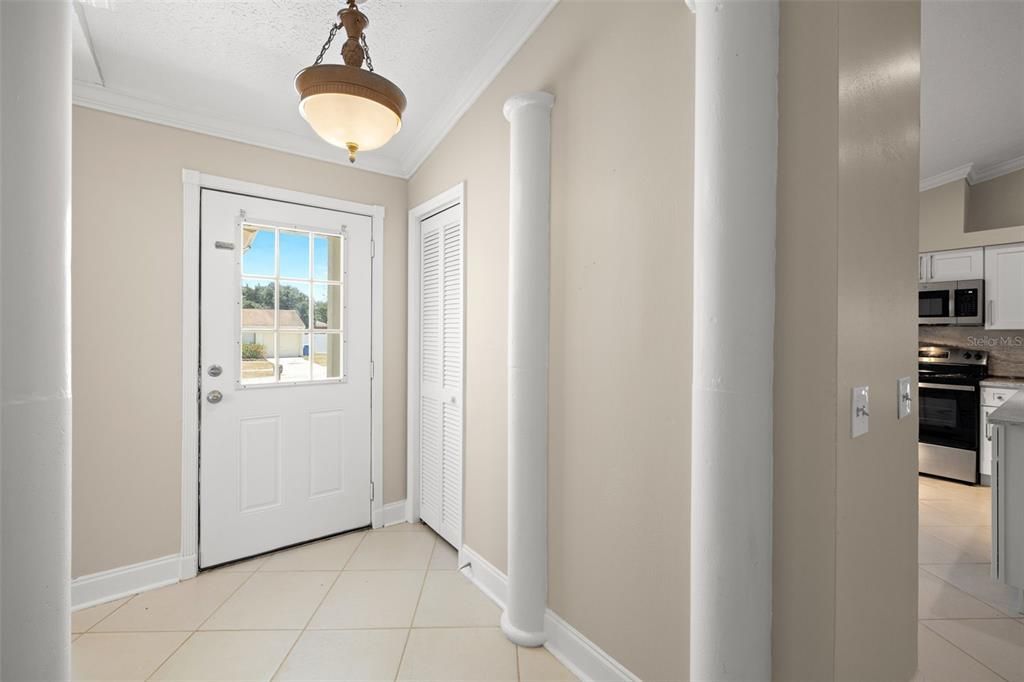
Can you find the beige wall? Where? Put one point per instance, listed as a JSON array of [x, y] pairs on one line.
[[948, 211], [126, 283], [621, 250], [996, 203], [845, 544]]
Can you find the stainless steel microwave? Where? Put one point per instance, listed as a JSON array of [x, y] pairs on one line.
[[958, 302]]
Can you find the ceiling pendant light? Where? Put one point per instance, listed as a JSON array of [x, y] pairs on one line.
[[350, 107]]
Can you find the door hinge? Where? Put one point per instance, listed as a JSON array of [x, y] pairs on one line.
[[373, 249], [372, 491], [371, 369]]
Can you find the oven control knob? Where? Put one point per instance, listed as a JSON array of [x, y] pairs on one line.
[[977, 356], [967, 356]]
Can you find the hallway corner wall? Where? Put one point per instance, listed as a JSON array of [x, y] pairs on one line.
[[845, 557], [621, 311]]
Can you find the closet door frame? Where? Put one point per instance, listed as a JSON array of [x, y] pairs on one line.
[[447, 199]]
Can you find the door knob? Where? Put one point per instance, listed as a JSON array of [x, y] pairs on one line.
[[214, 397]]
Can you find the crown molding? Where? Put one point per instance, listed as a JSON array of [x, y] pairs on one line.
[[507, 42], [952, 175], [512, 35], [996, 170], [132, 106]]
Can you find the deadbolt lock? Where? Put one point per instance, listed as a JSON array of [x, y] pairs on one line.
[[215, 370]]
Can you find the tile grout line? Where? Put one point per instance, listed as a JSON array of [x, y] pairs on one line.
[[412, 620], [925, 621], [964, 652], [312, 613], [192, 634], [118, 608]]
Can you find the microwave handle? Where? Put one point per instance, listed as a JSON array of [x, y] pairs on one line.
[[989, 318], [931, 266], [920, 268]]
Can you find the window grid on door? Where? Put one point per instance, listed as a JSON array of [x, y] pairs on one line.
[[292, 305]]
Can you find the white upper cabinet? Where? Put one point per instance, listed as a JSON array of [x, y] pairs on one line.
[[948, 266], [1004, 287]]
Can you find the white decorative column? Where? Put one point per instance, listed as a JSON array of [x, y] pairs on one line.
[[35, 340], [736, 116], [528, 303]]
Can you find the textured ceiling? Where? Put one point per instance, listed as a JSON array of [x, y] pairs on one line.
[[230, 64], [972, 84]]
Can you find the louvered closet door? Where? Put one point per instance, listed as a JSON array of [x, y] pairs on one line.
[[441, 322]]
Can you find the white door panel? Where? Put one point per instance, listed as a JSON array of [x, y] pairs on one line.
[[285, 315], [441, 372]]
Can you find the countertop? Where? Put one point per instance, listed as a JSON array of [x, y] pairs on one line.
[[1011, 412], [1008, 382]]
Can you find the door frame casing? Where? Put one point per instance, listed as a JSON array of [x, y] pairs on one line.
[[193, 182], [451, 197]]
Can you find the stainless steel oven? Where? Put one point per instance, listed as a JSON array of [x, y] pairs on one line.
[[949, 408], [957, 303]]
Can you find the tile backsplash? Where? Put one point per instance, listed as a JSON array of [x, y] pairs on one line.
[[1005, 347]]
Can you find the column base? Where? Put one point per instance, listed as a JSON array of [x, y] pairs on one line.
[[521, 637]]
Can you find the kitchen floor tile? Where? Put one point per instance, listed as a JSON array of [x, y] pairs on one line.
[[975, 542], [940, 661], [933, 550], [393, 551], [449, 599], [228, 656], [355, 655], [998, 644], [976, 580], [83, 619], [121, 656], [273, 601], [538, 665], [370, 599], [183, 606], [442, 654], [326, 555], [939, 599]]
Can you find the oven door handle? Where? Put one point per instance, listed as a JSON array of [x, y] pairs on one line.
[[949, 387]]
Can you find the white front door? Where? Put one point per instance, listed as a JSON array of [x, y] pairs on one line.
[[284, 439], [441, 362]]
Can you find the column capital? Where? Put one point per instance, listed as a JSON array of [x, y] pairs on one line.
[[527, 99]]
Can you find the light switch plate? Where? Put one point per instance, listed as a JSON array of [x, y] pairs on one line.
[[904, 398], [859, 411]]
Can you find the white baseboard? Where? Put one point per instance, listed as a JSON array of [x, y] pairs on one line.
[[389, 514], [583, 658], [89, 590]]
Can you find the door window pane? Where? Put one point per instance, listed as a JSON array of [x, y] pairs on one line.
[[327, 356], [258, 303], [257, 350], [293, 306], [294, 254], [327, 258], [293, 357], [328, 306], [295, 292], [258, 251]]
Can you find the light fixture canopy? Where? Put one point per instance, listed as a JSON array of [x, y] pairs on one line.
[[348, 106]]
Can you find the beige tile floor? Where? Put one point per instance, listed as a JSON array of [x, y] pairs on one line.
[[377, 605], [969, 627]]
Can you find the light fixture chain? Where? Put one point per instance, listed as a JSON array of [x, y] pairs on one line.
[[327, 43], [366, 51]]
